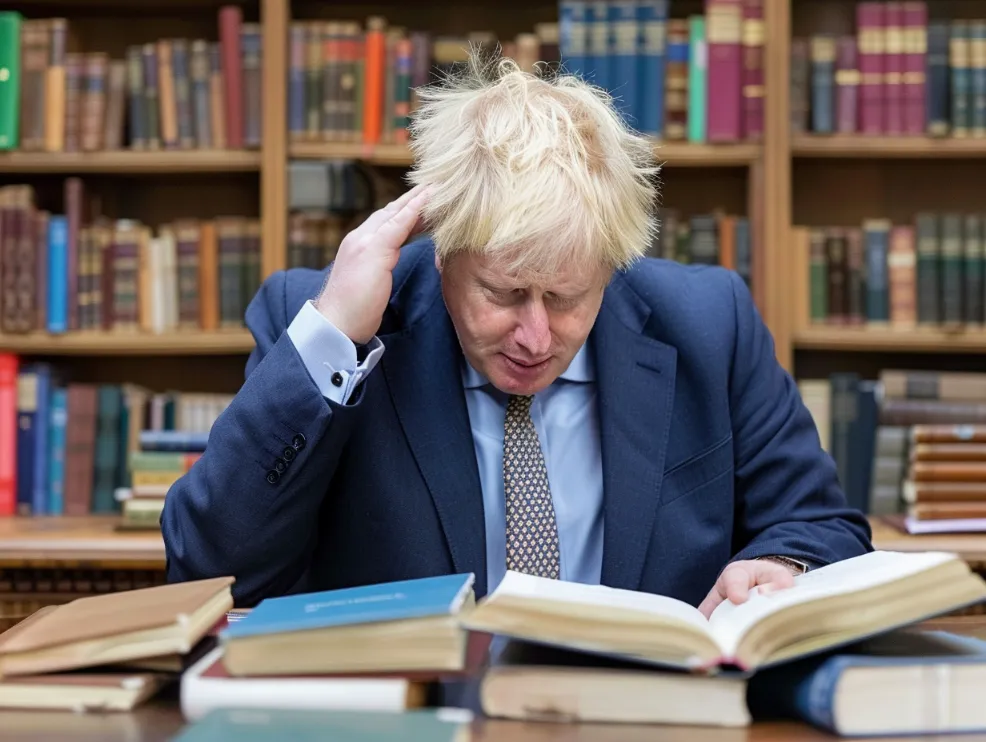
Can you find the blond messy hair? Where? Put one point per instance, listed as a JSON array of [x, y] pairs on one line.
[[533, 171]]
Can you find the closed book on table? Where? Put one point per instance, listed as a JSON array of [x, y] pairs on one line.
[[115, 627], [80, 691], [906, 682], [405, 625]]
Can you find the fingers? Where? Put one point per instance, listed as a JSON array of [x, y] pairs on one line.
[[774, 577], [380, 216], [711, 602], [735, 582], [399, 226]]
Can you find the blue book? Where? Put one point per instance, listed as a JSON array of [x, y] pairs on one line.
[[652, 20], [623, 77], [278, 725], [56, 451], [573, 36], [57, 274], [391, 601], [173, 440], [905, 682]]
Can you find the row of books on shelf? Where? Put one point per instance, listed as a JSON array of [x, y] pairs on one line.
[[699, 78], [169, 94], [420, 657], [74, 448], [709, 239], [80, 270], [899, 74], [931, 272], [909, 443]]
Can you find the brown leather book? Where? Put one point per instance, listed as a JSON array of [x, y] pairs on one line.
[[166, 95], [217, 97], [922, 411], [94, 101], [676, 84], [55, 85], [926, 492], [949, 452], [836, 254], [230, 22], [208, 276], [34, 62], [948, 434], [902, 270], [80, 448], [116, 102], [948, 471], [948, 510], [115, 627]]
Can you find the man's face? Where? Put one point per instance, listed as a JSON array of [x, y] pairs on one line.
[[520, 333]]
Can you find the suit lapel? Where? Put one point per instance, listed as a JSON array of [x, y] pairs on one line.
[[422, 368], [636, 381]]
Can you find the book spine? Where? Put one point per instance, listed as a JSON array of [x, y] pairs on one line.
[[166, 94], [893, 69], [374, 74], [902, 274], [73, 210], [93, 102], [846, 85], [200, 94], [74, 82], [296, 82], [870, 33], [822, 84], [181, 80], [34, 61], [973, 268], [39, 491], [252, 58], [676, 93], [961, 89], [573, 36], [10, 79], [877, 282], [724, 44], [55, 88], [938, 106], [977, 74], [623, 59], [27, 415], [116, 106], [598, 57], [698, 60], [402, 98], [57, 274], [951, 268], [856, 275], [153, 116], [928, 252], [217, 96], [800, 90], [754, 40], [915, 66], [56, 452], [230, 23], [652, 19], [9, 369], [838, 269]]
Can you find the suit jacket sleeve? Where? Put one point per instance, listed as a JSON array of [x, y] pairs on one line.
[[248, 507], [789, 500]]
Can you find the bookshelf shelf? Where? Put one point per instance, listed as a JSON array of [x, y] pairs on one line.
[[912, 340], [62, 540], [886, 147], [223, 342], [127, 162], [673, 154]]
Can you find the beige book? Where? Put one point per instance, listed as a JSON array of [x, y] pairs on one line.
[[81, 692], [115, 627], [827, 607]]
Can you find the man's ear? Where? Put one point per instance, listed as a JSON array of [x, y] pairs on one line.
[[438, 263]]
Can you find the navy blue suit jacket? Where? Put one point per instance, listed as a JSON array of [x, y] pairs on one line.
[[708, 452]]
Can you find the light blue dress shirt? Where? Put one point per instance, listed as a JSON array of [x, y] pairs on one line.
[[564, 415]]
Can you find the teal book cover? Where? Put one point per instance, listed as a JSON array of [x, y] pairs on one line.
[[391, 601], [424, 725]]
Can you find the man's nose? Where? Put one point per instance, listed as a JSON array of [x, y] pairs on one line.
[[533, 333]]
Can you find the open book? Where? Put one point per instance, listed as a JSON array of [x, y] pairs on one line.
[[827, 607]]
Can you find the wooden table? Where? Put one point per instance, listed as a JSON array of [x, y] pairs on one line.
[[161, 719]]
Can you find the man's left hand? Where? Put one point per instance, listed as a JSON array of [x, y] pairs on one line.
[[738, 578]]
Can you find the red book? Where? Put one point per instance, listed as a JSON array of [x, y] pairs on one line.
[[870, 44], [846, 85], [724, 37], [893, 68], [915, 59], [230, 21], [753, 82], [8, 433]]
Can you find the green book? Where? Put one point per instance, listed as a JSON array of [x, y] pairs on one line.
[[10, 78], [698, 65], [278, 725]]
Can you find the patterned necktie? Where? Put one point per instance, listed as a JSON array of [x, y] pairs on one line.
[[532, 535]]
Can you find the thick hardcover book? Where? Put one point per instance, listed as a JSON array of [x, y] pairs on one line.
[[871, 46], [928, 272], [938, 110], [826, 608], [915, 66], [893, 69], [961, 78], [724, 41], [10, 79], [907, 682]]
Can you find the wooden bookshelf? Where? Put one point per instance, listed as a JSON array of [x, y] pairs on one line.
[[125, 162], [131, 343], [54, 541], [886, 147], [673, 154], [867, 339]]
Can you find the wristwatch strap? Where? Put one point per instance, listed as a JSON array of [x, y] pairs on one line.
[[799, 566]]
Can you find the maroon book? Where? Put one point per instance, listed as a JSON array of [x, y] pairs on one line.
[[869, 28], [915, 60], [753, 81], [724, 37], [846, 85], [893, 69]]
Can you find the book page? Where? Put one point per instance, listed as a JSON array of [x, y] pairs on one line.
[[730, 622], [574, 593]]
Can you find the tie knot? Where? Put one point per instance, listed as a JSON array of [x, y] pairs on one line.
[[520, 403]]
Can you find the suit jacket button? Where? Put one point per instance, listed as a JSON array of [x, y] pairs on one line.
[[288, 454], [273, 477], [298, 442], [280, 466], [336, 379]]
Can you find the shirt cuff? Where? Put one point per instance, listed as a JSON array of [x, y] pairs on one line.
[[329, 355]]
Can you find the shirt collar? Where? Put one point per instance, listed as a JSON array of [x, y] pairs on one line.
[[579, 370]]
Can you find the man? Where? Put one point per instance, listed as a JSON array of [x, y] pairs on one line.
[[520, 390]]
